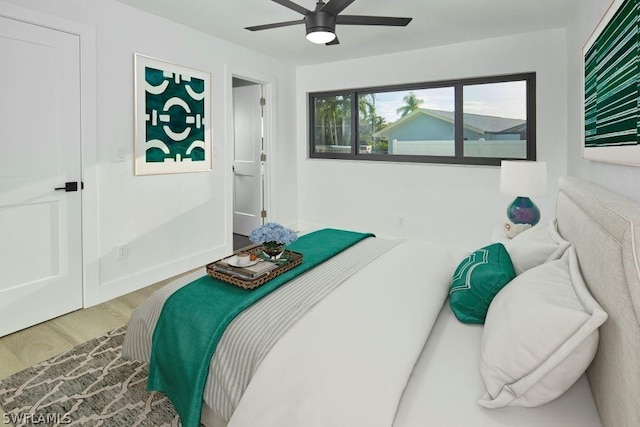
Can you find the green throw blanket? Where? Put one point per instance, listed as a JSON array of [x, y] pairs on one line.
[[195, 316]]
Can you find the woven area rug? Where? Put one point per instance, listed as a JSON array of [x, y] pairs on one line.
[[90, 384]]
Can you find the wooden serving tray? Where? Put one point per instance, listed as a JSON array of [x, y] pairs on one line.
[[241, 277]]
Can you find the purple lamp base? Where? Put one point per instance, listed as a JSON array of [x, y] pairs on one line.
[[523, 211]]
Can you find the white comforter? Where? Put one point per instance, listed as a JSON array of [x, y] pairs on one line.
[[343, 360], [347, 362]]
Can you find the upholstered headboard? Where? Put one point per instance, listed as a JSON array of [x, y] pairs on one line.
[[605, 230]]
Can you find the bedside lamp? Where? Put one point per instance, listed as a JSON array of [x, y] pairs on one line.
[[523, 179]]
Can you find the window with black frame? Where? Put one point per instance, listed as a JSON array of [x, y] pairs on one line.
[[471, 121]]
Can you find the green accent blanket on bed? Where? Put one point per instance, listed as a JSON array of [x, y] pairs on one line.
[[195, 316]]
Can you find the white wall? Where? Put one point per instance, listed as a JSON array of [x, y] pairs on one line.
[[172, 231], [619, 178], [171, 223], [436, 202]]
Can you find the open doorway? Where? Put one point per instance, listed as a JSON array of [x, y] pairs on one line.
[[249, 157]]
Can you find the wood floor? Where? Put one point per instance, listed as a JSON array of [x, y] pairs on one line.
[[25, 348]]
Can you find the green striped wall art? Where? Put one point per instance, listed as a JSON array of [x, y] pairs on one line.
[[611, 77]]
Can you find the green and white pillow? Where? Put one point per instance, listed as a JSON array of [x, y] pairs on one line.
[[477, 280]]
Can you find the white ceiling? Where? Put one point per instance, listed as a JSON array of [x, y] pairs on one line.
[[435, 23]]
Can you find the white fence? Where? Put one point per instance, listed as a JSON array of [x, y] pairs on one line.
[[333, 149], [422, 148], [514, 149]]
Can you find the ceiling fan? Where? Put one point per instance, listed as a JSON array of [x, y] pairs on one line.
[[321, 22]]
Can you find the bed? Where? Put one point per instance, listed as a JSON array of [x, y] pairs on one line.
[[382, 347]]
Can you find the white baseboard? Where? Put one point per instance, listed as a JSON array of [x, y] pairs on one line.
[[115, 288]]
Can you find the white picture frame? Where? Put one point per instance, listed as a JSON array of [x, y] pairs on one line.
[[172, 118]]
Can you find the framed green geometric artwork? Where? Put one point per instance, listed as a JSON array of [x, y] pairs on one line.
[[610, 81], [172, 118]]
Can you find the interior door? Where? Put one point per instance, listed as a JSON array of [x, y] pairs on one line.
[[247, 164], [40, 227]]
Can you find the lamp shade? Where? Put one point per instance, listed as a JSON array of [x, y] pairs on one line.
[[523, 178], [320, 37]]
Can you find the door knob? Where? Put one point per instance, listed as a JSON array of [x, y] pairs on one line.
[[70, 186]]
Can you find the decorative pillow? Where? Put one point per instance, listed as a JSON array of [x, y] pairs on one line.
[[540, 335], [536, 246], [477, 280]]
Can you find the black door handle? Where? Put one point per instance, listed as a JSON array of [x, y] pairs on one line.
[[70, 186]]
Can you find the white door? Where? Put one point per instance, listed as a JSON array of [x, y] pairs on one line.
[[247, 164], [40, 227]]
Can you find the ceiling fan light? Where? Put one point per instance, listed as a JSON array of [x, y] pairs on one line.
[[320, 37]]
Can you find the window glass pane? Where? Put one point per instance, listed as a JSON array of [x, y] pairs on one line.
[[407, 122], [332, 127], [417, 122], [495, 120]]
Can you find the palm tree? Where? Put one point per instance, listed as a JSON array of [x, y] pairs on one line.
[[380, 122], [334, 117], [367, 112], [412, 104], [367, 106]]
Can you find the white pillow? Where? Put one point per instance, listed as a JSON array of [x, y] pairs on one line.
[[536, 246], [540, 335]]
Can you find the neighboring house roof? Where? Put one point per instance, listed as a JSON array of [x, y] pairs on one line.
[[475, 122], [516, 129]]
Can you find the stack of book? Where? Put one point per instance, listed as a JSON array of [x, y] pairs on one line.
[[251, 272]]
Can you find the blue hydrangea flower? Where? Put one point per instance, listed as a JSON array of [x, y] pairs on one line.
[[273, 232]]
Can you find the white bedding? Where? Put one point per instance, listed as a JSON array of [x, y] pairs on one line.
[[359, 358], [251, 335], [446, 384], [347, 361]]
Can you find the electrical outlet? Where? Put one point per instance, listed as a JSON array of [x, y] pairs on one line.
[[121, 154], [122, 251], [400, 222]]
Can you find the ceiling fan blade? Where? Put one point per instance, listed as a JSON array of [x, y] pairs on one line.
[[293, 6], [274, 25], [334, 41], [372, 20], [334, 7]]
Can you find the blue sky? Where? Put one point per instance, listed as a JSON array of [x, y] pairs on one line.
[[495, 99]]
